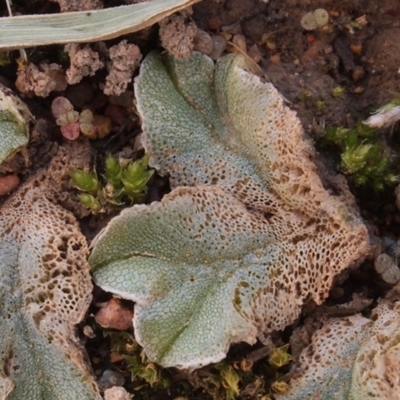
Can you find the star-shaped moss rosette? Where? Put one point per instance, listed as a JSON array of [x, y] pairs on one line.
[[351, 358], [45, 292], [248, 233]]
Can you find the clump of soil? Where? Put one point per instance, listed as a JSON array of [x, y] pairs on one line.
[[125, 58]]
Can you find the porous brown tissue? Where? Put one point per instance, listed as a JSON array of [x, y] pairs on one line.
[[41, 80], [125, 58], [302, 335], [84, 62], [253, 148], [46, 291], [177, 35], [351, 358], [56, 180], [79, 5], [37, 216]]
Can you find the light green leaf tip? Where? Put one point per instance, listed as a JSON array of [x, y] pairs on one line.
[[45, 292], [14, 123], [351, 358], [247, 235]]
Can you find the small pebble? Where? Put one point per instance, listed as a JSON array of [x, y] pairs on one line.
[[356, 48], [308, 22], [240, 42], [387, 269], [321, 17], [114, 314], [110, 378], [101, 126], [219, 46], [311, 38], [203, 42], [95, 361], [270, 45], [254, 53], [8, 183], [337, 293], [275, 59], [358, 73], [117, 393]]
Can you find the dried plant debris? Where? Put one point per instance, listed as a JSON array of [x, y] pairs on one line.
[[125, 58], [247, 235], [351, 358], [56, 181], [14, 124], [82, 26], [46, 290]]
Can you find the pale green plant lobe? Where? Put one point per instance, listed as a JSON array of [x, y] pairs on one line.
[[248, 232], [46, 290], [14, 124]]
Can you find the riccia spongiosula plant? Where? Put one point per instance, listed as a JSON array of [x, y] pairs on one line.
[[248, 233], [351, 358], [45, 292], [14, 123]]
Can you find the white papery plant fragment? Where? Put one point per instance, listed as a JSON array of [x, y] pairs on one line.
[[385, 116]]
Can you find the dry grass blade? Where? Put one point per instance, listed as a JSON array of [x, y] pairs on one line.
[[77, 27]]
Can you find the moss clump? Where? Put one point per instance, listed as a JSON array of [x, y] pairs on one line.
[[125, 182], [364, 157], [236, 377]]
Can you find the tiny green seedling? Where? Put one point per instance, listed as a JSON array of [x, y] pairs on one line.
[[124, 182], [280, 356], [363, 156]]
